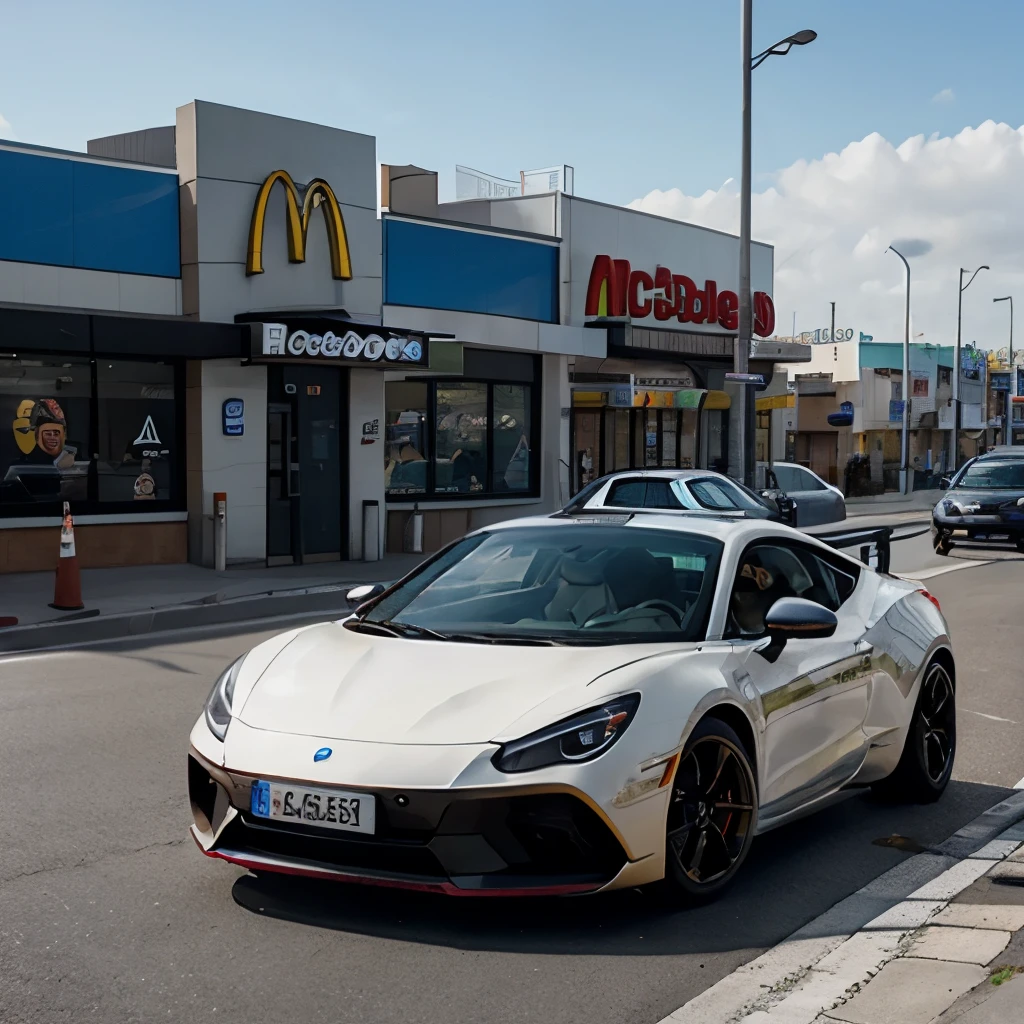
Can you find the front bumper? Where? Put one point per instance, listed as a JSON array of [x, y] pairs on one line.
[[524, 841], [979, 527]]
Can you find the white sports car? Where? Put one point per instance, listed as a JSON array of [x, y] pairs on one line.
[[572, 704]]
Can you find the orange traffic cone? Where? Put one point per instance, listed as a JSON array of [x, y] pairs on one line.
[[67, 590]]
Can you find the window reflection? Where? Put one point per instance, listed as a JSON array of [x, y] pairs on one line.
[[461, 438]]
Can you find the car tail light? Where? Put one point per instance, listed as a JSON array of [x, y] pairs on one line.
[[931, 597]]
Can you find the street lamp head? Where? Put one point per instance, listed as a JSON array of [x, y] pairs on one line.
[[1004, 298], [802, 38]]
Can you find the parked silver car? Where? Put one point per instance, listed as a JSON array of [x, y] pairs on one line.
[[817, 502]]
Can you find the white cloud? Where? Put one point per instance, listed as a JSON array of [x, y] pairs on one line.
[[943, 96], [956, 201]]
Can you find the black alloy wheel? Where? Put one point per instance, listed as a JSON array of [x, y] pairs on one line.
[[711, 814], [925, 768]]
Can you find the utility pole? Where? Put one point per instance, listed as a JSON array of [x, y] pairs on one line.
[[957, 405], [742, 455], [833, 323]]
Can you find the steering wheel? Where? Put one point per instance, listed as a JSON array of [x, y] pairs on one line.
[[666, 606]]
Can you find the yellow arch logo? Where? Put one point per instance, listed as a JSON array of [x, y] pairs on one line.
[[318, 194]]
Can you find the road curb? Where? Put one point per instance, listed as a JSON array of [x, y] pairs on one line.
[[75, 629], [824, 963]]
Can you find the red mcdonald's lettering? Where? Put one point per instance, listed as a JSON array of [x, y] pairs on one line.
[[667, 307], [764, 314], [711, 301], [639, 305], [728, 310], [616, 290], [606, 291]]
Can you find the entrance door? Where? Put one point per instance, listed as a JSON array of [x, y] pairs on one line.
[[282, 486], [306, 469]]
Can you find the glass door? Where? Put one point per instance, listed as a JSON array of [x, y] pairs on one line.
[[282, 485]]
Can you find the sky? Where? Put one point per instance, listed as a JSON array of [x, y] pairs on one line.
[[900, 122]]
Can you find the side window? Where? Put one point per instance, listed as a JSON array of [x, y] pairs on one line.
[[627, 494], [712, 494], [768, 572], [659, 495], [808, 481]]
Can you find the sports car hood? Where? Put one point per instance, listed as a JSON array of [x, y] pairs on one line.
[[335, 683]]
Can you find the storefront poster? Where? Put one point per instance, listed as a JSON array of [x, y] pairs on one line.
[[41, 466]]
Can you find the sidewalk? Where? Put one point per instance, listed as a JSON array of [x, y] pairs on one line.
[[965, 965], [884, 504], [937, 939], [141, 599]]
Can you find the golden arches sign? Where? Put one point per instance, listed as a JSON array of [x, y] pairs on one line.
[[318, 193]]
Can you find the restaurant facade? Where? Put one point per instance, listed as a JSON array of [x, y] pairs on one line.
[[219, 306]]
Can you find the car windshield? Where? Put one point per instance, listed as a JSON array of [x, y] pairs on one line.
[[992, 476], [597, 582]]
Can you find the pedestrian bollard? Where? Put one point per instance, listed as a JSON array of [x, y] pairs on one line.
[[220, 530]]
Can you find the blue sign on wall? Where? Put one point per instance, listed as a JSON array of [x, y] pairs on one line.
[[233, 417], [67, 212], [439, 267]]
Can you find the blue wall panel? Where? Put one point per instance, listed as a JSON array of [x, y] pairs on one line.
[[126, 220], [75, 213], [35, 209], [439, 267]]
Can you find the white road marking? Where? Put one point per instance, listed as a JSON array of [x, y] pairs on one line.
[[994, 718], [1020, 785], [927, 574]]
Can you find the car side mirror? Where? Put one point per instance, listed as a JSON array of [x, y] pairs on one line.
[[944, 484], [795, 618], [357, 595]]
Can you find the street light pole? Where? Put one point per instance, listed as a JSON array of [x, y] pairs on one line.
[[957, 405], [905, 437], [1007, 428], [743, 421]]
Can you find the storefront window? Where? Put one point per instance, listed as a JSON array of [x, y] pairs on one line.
[[461, 439], [137, 431], [511, 437], [45, 410], [406, 450], [446, 439]]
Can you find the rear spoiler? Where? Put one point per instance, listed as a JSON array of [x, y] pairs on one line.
[[873, 544]]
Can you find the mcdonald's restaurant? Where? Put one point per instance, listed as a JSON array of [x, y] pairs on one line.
[[200, 309], [236, 303]]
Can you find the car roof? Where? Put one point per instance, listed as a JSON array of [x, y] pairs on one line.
[[660, 474], [709, 524]]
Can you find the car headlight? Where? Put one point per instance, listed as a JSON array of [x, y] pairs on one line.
[[952, 508], [218, 704], [579, 738]]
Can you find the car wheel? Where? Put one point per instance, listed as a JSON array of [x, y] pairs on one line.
[[1020, 545], [711, 814], [930, 749]]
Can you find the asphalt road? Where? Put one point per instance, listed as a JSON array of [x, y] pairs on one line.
[[108, 912]]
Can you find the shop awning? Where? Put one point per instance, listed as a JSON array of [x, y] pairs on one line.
[[775, 402]]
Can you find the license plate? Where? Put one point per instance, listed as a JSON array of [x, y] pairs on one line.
[[325, 808]]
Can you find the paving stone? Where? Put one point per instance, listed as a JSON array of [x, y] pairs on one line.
[[964, 945], [1008, 869], [982, 915], [909, 991]]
